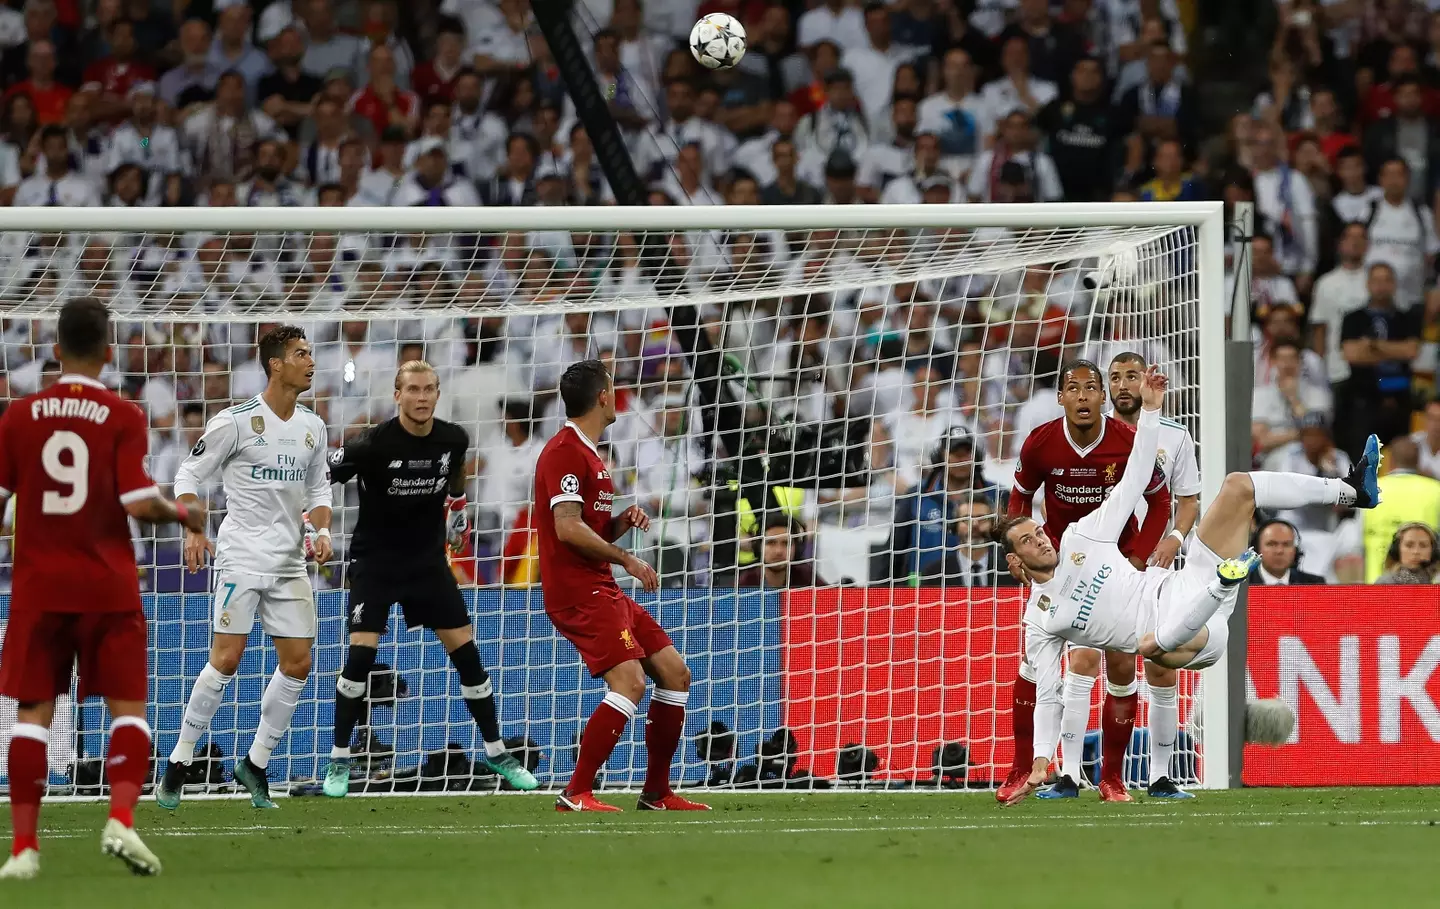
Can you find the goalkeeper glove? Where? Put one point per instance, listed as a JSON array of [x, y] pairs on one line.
[[457, 522]]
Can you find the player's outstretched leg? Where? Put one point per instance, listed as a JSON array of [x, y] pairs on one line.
[[277, 709], [28, 770], [1022, 733], [479, 694], [666, 724]]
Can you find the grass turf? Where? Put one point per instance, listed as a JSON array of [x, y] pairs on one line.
[[1311, 848]]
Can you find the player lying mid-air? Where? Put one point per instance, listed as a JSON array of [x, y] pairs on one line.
[[1088, 594]]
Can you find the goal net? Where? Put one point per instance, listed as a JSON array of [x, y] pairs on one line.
[[819, 407]]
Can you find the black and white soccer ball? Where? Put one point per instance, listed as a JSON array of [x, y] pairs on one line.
[[1269, 722], [718, 41]]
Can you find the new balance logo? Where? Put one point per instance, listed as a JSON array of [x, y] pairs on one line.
[[396, 465]]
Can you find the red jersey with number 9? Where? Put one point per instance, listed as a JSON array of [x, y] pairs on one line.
[[73, 456], [570, 469]]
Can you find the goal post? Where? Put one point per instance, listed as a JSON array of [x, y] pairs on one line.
[[851, 355]]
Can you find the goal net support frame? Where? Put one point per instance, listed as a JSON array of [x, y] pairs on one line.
[[1204, 256]]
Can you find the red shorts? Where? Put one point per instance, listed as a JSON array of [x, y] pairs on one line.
[[610, 630], [43, 648]]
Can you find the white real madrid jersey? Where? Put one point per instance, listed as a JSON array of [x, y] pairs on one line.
[[272, 470]]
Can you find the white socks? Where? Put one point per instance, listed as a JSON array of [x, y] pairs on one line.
[[277, 708], [1074, 723], [1164, 727], [1176, 629], [205, 699], [1296, 490]]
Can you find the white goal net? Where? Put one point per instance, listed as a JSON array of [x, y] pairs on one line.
[[820, 407]]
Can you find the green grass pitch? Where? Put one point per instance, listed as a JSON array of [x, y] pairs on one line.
[[1310, 848]]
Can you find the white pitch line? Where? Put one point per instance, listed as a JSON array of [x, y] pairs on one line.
[[730, 828]]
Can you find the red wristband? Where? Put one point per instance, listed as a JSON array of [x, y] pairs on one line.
[[182, 513]]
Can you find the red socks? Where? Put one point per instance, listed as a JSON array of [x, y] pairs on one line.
[[126, 765], [28, 771], [601, 734], [1022, 720], [662, 737], [1117, 722]]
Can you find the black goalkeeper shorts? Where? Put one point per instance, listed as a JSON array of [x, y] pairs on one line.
[[430, 599]]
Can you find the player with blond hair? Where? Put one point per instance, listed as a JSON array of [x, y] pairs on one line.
[[411, 474]]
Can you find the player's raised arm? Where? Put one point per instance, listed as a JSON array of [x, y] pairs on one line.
[[1109, 520]]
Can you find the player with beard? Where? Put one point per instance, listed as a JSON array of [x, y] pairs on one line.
[[1176, 460], [1079, 458], [1086, 592]]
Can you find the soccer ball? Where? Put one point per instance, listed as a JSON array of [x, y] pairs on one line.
[[1269, 722], [718, 41]]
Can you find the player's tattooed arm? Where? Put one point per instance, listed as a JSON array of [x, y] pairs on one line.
[[572, 530]]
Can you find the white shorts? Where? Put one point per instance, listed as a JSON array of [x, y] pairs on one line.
[[1185, 587], [286, 605]]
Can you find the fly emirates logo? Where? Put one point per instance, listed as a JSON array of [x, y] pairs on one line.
[[287, 469], [1086, 594]]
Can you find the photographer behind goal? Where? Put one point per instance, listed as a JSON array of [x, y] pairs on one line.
[[411, 472]]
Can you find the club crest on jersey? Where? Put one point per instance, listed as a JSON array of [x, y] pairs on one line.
[[1043, 603], [445, 462], [1109, 473], [257, 424], [224, 620], [1078, 558], [309, 442], [570, 484], [627, 640], [1160, 459]]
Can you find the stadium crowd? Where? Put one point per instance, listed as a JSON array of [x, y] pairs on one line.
[[128, 103]]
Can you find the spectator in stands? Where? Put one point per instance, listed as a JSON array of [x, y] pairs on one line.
[[1407, 497], [1278, 543], [233, 51], [327, 48], [287, 91], [222, 136], [1017, 89], [1163, 106], [1016, 146], [49, 97], [1427, 440], [383, 101], [1380, 342], [1285, 207], [834, 21], [378, 30], [1413, 557], [782, 563], [1339, 292], [839, 125], [1281, 406], [435, 78], [193, 81], [939, 523], [118, 73], [956, 114], [1171, 182], [1054, 46], [1270, 287], [58, 183], [1409, 136], [1085, 136]]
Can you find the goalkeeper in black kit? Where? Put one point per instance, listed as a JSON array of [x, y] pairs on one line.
[[411, 472]]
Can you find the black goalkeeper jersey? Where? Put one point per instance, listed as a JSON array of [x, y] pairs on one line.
[[404, 480]]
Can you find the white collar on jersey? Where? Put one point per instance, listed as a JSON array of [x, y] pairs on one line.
[[1082, 452], [73, 379], [584, 438]]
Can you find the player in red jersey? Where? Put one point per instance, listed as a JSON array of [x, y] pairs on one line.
[[74, 458], [1079, 458], [618, 640]]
